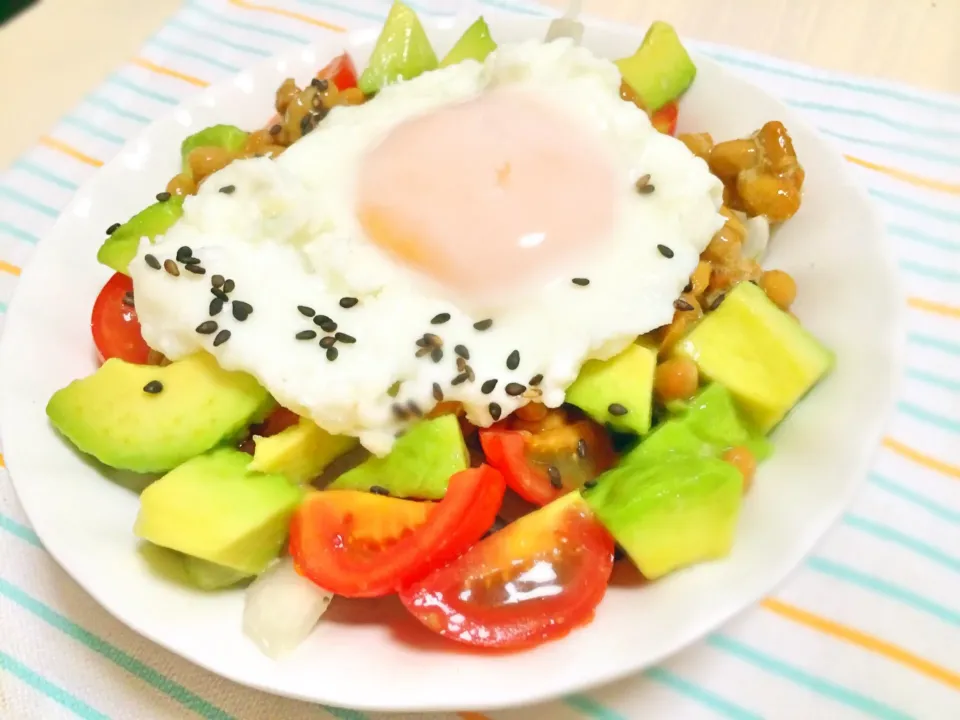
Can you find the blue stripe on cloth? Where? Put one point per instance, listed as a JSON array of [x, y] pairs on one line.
[[347, 9], [220, 40], [47, 688], [16, 232], [41, 172], [913, 234], [809, 681], [932, 379], [934, 507], [200, 9], [27, 201], [911, 150], [931, 418], [586, 705], [112, 653], [885, 532], [92, 130], [930, 271], [721, 706], [19, 530], [915, 206], [933, 342], [121, 81], [885, 588], [183, 51], [111, 107], [909, 128]]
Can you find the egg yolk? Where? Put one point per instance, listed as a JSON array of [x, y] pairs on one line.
[[490, 196]]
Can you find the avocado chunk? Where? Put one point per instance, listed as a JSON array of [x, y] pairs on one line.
[[670, 513], [419, 465], [215, 509], [660, 70], [299, 453], [206, 575], [112, 416], [762, 355], [121, 245], [228, 137], [625, 380], [402, 52], [474, 44]]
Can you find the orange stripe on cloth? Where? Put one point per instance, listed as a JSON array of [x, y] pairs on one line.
[[169, 72], [246, 5], [69, 150], [907, 177], [934, 307]]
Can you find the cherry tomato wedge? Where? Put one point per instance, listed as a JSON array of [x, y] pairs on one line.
[[116, 329], [533, 581], [341, 72], [541, 466], [361, 545], [665, 119]]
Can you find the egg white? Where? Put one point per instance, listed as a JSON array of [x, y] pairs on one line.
[[289, 236]]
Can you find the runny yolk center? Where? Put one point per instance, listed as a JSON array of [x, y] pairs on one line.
[[488, 196]]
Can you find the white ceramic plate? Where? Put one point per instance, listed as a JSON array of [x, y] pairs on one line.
[[368, 654]]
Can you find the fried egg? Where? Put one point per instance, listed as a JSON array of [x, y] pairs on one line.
[[475, 235]]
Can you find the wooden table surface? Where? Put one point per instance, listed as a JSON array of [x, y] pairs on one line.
[[54, 54]]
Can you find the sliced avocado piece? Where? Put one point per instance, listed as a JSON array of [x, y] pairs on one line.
[[762, 355], [669, 439], [626, 380], [660, 70], [111, 416], [713, 417], [213, 508], [206, 575], [228, 137], [121, 245], [671, 513], [419, 465], [474, 44], [299, 453], [402, 52]]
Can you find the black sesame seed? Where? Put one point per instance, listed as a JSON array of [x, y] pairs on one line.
[[423, 343], [495, 410], [432, 340], [681, 304], [715, 303], [228, 189], [113, 228], [436, 355], [207, 327], [328, 342], [217, 281], [488, 387], [642, 182], [344, 338], [646, 189], [379, 490], [152, 261], [219, 294], [581, 448], [241, 310], [128, 298], [163, 196], [306, 335], [171, 267], [437, 392], [422, 351], [319, 84], [191, 261], [617, 410], [326, 324], [195, 269], [348, 302], [460, 379], [483, 325], [688, 287], [440, 319], [276, 129], [216, 305], [221, 338], [184, 253], [400, 412], [582, 282], [665, 251], [229, 286], [513, 360], [153, 387], [332, 354], [462, 351], [461, 364], [535, 380], [471, 376], [305, 310], [513, 389], [554, 474], [414, 408], [590, 484]]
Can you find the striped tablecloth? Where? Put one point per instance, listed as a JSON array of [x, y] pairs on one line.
[[868, 627]]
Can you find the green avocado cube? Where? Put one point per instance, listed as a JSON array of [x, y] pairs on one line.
[[402, 52], [121, 245], [301, 452], [618, 391], [228, 137], [474, 44], [660, 70], [670, 513]]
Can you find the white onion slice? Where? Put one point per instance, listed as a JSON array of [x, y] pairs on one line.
[[758, 236], [567, 26], [281, 608]]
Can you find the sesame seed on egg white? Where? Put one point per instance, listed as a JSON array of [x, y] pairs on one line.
[[287, 242]]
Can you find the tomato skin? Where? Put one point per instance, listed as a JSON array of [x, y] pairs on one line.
[[665, 119], [345, 550], [341, 72], [506, 451], [115, 327], [488, 598]]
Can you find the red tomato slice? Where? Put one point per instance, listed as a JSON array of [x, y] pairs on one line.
[[534, 581], [341, 72], [526, 458], [116, 329], [361, 545], [665, 119]]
